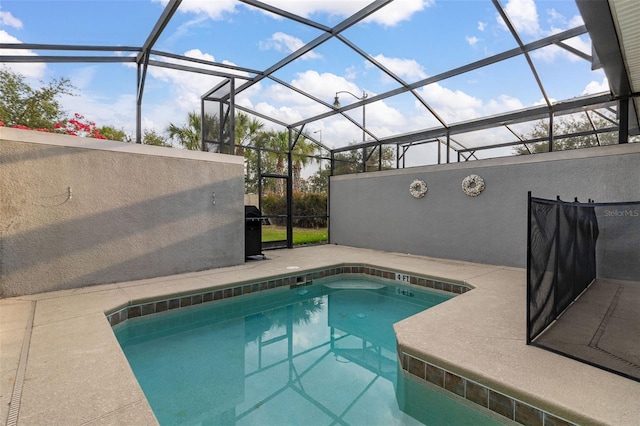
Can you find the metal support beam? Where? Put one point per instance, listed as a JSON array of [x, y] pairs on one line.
[[550, 131], [525, 115], [203, 146], [143, 59], [160, 25], [342, 26], [623, 119], [574, 32], [515, 35], [448, 147], [141, 78], [290, 191], [543, 139]]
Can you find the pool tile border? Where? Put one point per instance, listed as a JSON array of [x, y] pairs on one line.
[[474, 392], [135, 310]]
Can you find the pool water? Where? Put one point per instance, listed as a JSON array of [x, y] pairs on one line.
[[314, 355]]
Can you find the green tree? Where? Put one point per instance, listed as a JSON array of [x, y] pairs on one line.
[[247, 129], [21, 104], [248, 132], [388, 158], [187, 136], [347, 162], [114, 134], [566, 126], [303, 154], [151, 137], [319, 181], [276, 145]]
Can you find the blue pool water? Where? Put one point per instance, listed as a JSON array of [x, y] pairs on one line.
[[314, 355]]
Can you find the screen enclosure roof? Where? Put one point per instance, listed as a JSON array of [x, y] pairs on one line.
[[479, 72]]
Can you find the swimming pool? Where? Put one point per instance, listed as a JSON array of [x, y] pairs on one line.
[[318, 354]]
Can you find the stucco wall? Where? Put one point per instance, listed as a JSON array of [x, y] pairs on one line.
[[375, 210], [78, 212]]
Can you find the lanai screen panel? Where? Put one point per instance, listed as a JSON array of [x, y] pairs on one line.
[[216, 119]]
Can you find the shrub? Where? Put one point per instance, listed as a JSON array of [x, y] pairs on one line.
[[304, 204]]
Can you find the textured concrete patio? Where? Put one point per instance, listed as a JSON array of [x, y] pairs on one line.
[[61, 363], [601, 327]]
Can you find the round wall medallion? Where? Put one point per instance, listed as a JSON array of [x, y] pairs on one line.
[[418, 188], [473, 185]]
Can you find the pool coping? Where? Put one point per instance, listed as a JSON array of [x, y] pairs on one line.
[[138, 308], [414, 367], [76, 372]]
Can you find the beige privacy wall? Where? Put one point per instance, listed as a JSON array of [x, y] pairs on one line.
[[376, 210], [76, 211]]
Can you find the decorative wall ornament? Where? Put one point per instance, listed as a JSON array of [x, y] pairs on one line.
[[418, 188], [473, 185]]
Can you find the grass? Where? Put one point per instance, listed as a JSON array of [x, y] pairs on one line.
[[300, 235]]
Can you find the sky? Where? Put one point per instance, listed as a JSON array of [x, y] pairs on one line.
[[415, 39]]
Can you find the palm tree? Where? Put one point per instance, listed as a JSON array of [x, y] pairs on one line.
[[188, 136], [248, 133], [304, 149], [247, 129], [278, 145]]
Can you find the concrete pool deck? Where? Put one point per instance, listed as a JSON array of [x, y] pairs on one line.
[[61, 364]]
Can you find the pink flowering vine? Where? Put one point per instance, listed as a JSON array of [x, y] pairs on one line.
[[77, 126]]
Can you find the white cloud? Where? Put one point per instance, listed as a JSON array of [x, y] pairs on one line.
[[556, 18], [398, 11], [351, 73], [184, 28], [6, 18], [456, 106], [390, 15], [191, 83], [472, 40], [282, 42], [596, 87], [104, 110], [285, 114], [306, 8], [452, 105], [213, 9], [552, 52], [580, 44], [289, 106], [408, 69], [524, 16], [30, 70], [576, 21], [543, 102], [482, 26], [81, 78], [323, 86], [383, 116], [184, 89], [503, 103]]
